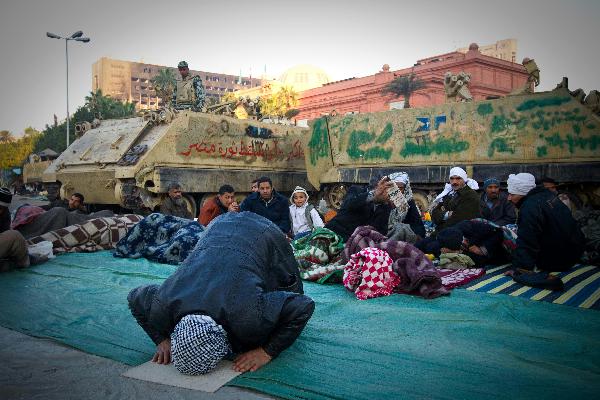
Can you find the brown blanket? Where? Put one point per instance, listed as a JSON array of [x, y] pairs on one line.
[[93, 235], [56, 218]]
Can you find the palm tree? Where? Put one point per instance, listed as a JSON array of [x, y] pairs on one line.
[[164, 85], [405, 86], [96, 103]]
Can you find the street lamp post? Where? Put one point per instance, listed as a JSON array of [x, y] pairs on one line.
[[78, 37]]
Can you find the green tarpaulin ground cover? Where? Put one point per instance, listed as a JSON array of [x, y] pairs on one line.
[[467, 345]]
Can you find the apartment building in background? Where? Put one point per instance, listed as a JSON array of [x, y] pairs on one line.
[[132, 81]]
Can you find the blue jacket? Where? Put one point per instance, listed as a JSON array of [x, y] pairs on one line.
[[250, 287], [276, 210]]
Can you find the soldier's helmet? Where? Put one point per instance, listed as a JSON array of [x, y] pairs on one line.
[[182, 64]]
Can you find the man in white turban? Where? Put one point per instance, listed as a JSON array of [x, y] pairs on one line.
[[459, 200], [548, 239]]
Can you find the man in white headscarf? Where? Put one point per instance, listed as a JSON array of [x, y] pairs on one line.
[[548, 237], [404, 222], [458, 202]]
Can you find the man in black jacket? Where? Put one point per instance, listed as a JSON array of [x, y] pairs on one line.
[[547, 236], [494, 204], [269, 204], [362, 207], [233, 294]]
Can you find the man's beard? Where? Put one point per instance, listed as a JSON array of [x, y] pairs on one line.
[[179, 202]]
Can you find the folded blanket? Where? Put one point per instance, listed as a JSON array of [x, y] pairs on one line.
[[455, 261], [417, 273], [319, 254], [161, 238], [25, 214], [93, 235]]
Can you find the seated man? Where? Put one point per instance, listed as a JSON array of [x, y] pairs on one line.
[[375, 208], [233, 294], [458, 202], [494, 205], [547, 236], [220, 204], [269, 204], [174, 204]]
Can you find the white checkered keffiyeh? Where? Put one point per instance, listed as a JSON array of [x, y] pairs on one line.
[[369, 274], [198, 343]]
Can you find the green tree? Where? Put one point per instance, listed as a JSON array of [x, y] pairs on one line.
[[96, 105], [14, 153], [104, 107], [164, 85], [404, 86]]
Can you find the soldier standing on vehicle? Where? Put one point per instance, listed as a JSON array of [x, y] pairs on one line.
[[189, 91]]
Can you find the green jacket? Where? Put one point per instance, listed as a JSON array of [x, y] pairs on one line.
[[464, 205]]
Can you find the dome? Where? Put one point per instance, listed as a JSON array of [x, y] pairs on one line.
[[304, 77]]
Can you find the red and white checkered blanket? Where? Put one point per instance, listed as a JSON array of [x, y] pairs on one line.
[[369, 274], [93, 235]]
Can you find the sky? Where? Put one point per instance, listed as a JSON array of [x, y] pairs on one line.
[[348, 38]]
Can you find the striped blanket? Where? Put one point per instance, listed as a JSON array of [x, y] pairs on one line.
[[582, 286]]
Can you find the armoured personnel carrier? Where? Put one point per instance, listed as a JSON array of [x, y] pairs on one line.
[[131, 162], [555, 134]]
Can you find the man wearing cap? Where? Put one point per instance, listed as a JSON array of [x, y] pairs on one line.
[[459, 201], [233, 295], [13, 248], [189, 91], [494, 204], [547, 236]]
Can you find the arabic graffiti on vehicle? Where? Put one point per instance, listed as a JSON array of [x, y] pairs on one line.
[[319, 142], [359, 138], [440, 146], [237, 149]]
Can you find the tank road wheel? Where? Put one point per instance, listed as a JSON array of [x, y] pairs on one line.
[[421, 200], [190, 203], [334, 195]]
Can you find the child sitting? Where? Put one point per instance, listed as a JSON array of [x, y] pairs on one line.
[[304, 216]]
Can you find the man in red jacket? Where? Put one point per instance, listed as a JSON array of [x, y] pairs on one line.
[[220, 204]]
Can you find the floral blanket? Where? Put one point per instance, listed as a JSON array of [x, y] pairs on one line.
[[319, 254], [162, 238], [93, 235]]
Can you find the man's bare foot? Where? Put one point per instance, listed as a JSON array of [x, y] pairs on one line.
[[251, 360]]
